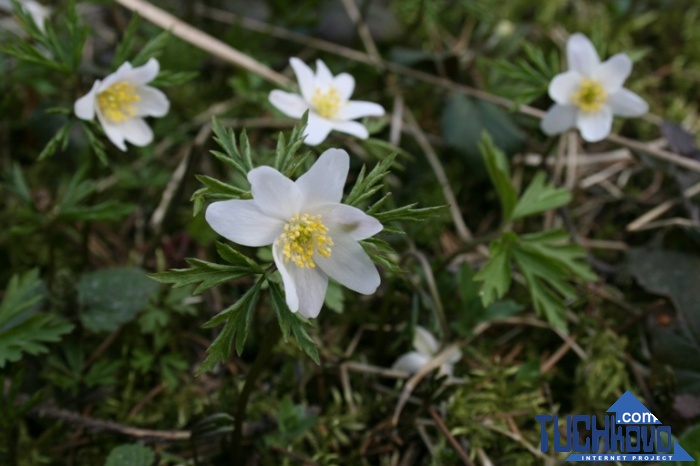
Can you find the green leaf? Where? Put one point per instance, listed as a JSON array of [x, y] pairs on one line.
[[238, 318], [234, 257], [532, 74], [407, 214], [540, 196], [133, 455], [23, 329], [673, 274], [366, 186], [497, 166], [226, 138], [109, 298], [465, 119], [292, 323], [207, 274], [286, 158], [59, 140], [549, 262], [127, 42], [496, 273], [151, 49]]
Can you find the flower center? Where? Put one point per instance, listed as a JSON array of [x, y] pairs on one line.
[[327, 104], [303, 235], [117, 101], [590, 97]]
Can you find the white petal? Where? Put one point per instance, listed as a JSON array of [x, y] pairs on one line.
[[275, 194], [137, 132], [350, 220], [558, 119], [581, 55], [325, 180], [305, 78], [316, 130], [425, 342], [358, 109], [564, 85], [292, 105], [305, 289], [121, 74], [595, 126], [113, 131], [351, 127], [626, 103], [345, 84], [349, 264], [411, 362], [455, 357], [152, 102], [324, 77], [613, 72], [84, 107], [243, 222], [145, 73]]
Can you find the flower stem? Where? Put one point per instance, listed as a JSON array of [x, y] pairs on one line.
[[269, 341]]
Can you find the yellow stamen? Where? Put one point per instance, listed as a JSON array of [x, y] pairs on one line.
[[327, 103], [302, 236], [590, 97], [117, 101]]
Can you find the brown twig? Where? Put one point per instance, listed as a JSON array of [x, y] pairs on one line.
[[202, 40], [450, 438]]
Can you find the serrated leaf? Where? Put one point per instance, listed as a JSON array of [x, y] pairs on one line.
[[497, 166], [540, 196], [407, 214], [549, 262], [291, 323], [23, 329], [234, 257], [151, 49], [286, 159], [132, 455], [366, 186], [238, 318], [109, 298], [496, 273], [226, 138], [206, 274]]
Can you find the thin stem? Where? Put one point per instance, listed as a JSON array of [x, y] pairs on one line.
[[269, 342]]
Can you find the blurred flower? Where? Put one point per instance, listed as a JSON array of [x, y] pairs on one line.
[[121, 101], [326, 98], [36, 10], [426, 348], [313, 235], [590, 93]]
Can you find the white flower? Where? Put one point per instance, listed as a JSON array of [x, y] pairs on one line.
[[121, 101], [590, 93], [36, 10], [426, 348], [313, 235], [327, 99]]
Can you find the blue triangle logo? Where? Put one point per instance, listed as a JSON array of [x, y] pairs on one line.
[[679, 454], [629, 410]]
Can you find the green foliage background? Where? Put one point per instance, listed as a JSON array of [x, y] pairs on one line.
[[556, 306]]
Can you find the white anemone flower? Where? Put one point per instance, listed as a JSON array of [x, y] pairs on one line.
[[36, 10], [590, 93], [313, 235], [120, 102], [326, 97], [426, 349]]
